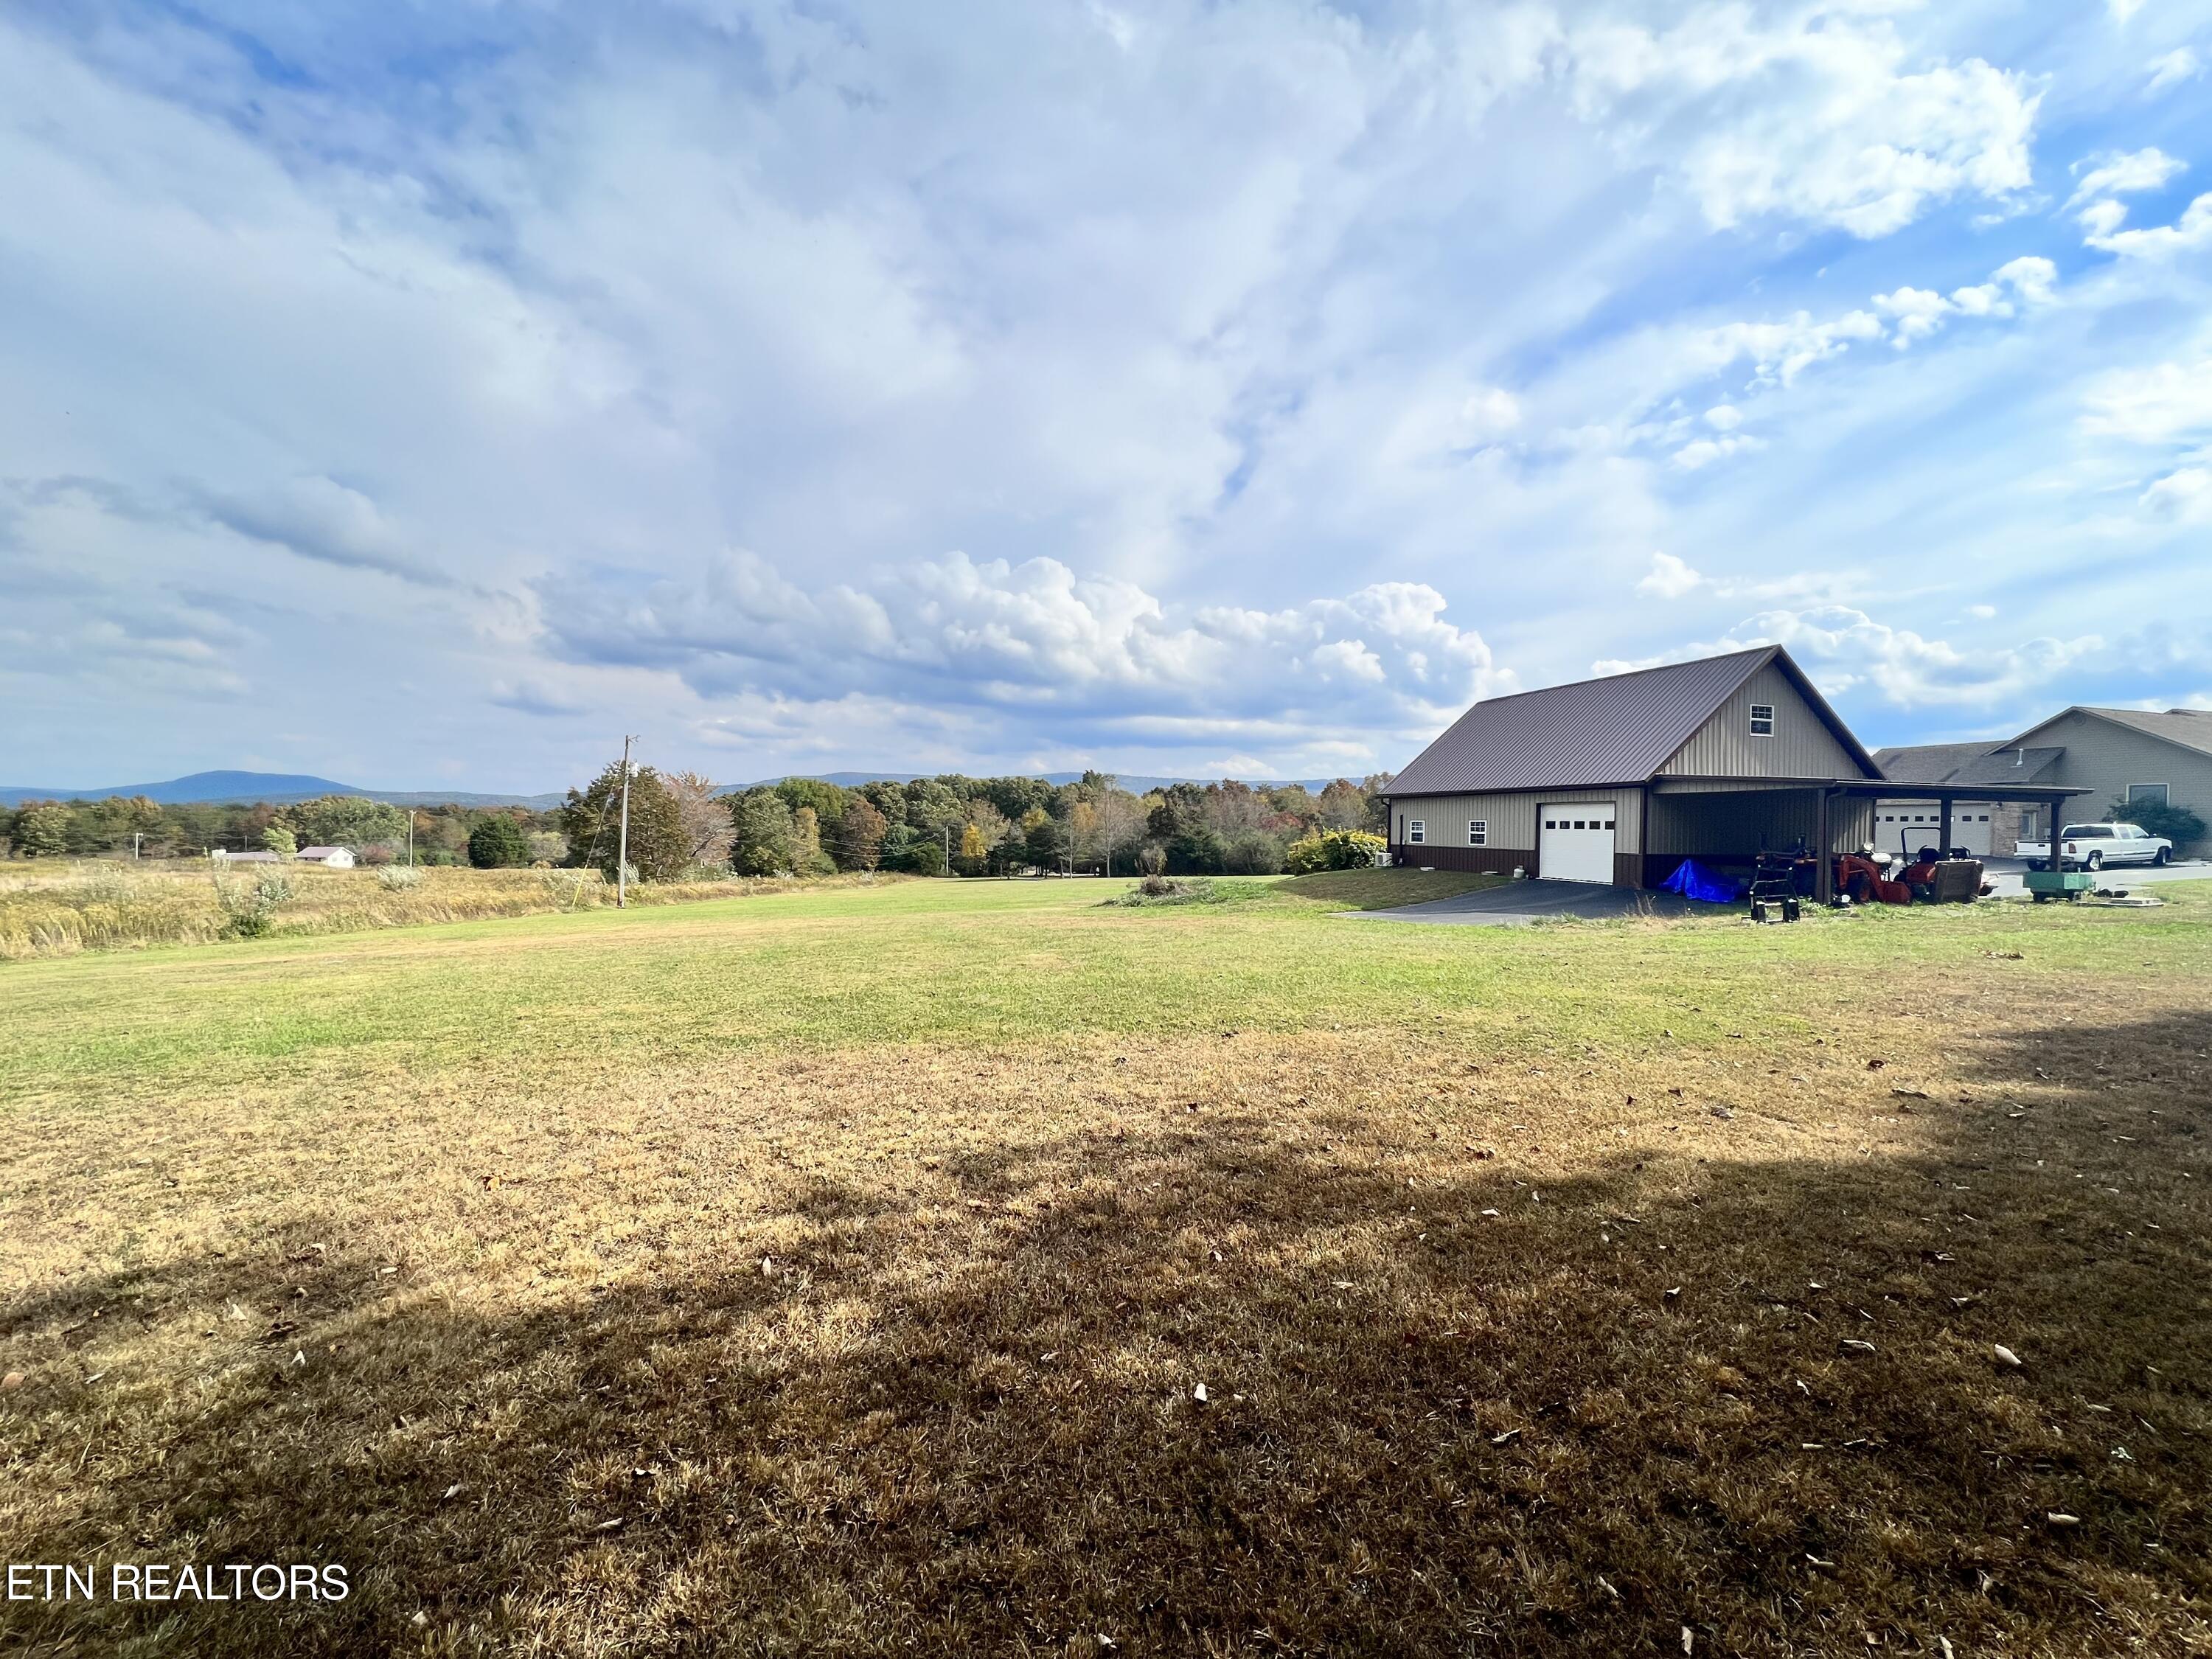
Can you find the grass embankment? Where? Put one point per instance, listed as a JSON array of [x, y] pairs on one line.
[[51, 910], [1384, 890], [837, 1272]]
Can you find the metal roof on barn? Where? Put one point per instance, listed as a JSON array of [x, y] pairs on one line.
[[1618, 730]]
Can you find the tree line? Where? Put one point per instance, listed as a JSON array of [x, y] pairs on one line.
[[118, 826], [681, 823], [954, 824]]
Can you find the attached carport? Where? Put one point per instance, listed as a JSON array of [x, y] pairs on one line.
[[1728, 822]]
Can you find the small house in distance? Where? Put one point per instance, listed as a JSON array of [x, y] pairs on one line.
[[330, 858], [1619, 780]]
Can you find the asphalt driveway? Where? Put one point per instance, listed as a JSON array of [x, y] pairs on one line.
[[1520, 902]]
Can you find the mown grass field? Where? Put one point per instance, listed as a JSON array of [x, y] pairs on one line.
[[837, 1272]]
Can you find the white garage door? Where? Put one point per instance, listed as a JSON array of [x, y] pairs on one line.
[[1575, 843], [1920, 824]]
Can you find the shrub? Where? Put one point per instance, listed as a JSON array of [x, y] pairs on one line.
[[250, 906], [497, 842], [1252, 853], [397, 878], [2176, 823], [1334, 850]]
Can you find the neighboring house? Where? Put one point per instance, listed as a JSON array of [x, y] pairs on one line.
[[1987, 828], [1619, 780], [221, 857], [2128, 757], [330, 858]]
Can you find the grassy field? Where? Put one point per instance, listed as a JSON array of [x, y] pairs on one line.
[[840, 1270]]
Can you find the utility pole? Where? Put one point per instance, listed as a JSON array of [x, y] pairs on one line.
[[948, 849], [135, 837], [621, 850], [410, 838]]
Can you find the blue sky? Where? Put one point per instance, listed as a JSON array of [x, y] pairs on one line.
[[427, 394]]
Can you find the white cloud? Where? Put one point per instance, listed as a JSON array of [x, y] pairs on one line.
[[2124, 174], [1724, 417], [1920, 311], [2153, 405], [1701, 452], [1035, 636], [2192, 230], [2186, 494], [1845, 650], [2103, 218], [1846, 134], [2122, 10], [1669, 578], [2172, 68], [1981, 613]]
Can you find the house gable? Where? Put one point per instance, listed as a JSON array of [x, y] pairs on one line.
[[1809, 740]]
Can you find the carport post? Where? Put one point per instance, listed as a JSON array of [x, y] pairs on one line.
[[1824, 867], [2057, 804], [1943, 831]]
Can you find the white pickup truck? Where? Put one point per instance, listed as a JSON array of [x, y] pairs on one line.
[[2093, 846]]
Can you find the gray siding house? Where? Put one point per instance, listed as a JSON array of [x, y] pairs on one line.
[[2122, 756], [1619, 780], [2116, 757]]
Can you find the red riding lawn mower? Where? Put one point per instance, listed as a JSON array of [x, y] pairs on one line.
[[1872, 878], [1864, 878]]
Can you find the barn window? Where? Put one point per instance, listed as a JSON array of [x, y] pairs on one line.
[[1417, 830], [1477, 832], [1762, 720], [2146, 795]]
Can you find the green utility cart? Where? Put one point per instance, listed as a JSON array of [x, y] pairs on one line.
[[2059, 883]]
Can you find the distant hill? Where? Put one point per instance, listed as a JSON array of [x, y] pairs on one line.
[[276, 788]]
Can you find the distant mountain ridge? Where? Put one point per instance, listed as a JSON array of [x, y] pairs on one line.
[[287, 788], [270, 788]]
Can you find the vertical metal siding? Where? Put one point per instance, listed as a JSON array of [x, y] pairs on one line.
[[1738, 824], [1803, 746], [1512, 817]]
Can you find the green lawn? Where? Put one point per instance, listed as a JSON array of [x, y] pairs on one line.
[[987, 961]]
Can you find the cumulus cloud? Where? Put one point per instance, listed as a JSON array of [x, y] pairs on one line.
[[2122, 174], [1846, 135], [1918, 312], [1669, 578], [1036, 638], [1845, 650], [2192, 230]]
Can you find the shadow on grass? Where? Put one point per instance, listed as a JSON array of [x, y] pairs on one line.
[[1617, 1407]]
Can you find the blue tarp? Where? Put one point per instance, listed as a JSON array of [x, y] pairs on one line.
[[1692, 880]]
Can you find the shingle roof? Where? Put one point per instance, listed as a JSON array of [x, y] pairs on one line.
[[1621, 729], [1927, 762], [2190, 728], [1964, 762], [2008, 766]]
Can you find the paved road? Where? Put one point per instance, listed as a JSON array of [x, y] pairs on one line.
[[1518, 904]]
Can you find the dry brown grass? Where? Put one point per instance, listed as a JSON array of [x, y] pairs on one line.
[[57, 909], [893, 1349]]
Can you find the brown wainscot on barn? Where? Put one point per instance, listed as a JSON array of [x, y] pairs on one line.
[[1619, 780]]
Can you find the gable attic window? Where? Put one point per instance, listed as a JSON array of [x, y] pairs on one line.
[[1762, 720]]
